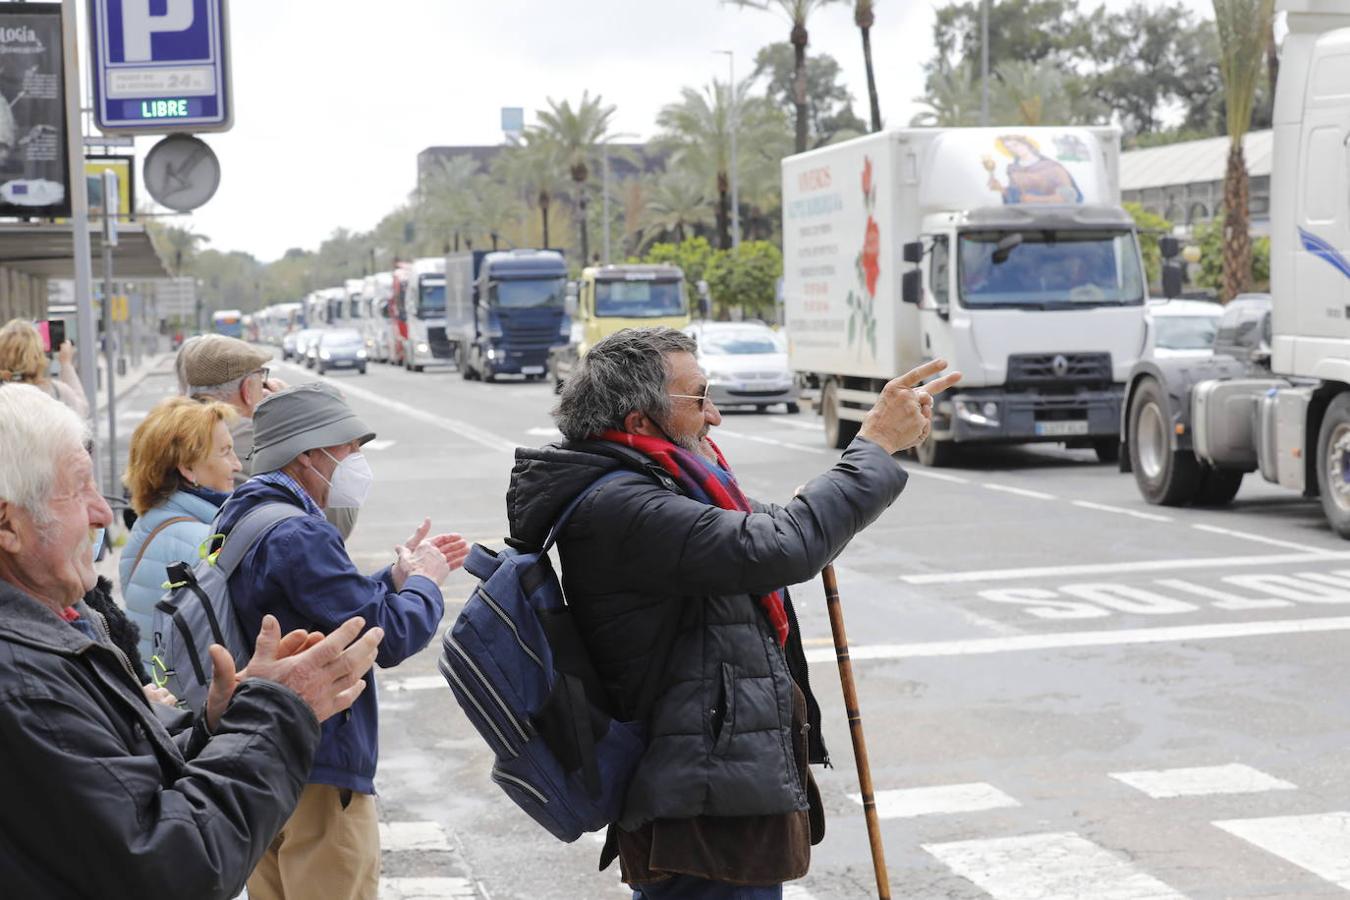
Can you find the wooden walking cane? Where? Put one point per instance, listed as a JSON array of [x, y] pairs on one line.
[[855, 730]]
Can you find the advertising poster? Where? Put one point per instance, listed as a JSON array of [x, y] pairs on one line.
[[126, 185], [34, 176]]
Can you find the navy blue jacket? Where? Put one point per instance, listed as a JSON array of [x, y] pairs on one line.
[[301, 573]]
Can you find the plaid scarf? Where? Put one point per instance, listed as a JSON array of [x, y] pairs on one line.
[[713, 485]]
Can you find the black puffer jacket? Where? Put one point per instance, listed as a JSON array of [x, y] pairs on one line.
[[101, 801], [720, 729]]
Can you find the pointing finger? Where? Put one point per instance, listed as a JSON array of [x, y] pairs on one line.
[[916, 375], [941, 384]]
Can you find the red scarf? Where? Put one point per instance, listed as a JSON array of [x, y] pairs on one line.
[[714, 485]]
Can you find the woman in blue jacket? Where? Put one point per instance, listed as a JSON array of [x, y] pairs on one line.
[[180, 471]]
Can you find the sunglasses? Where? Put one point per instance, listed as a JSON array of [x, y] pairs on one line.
[[702, 398]]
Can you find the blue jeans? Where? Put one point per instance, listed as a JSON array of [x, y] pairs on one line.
[[687, 887]]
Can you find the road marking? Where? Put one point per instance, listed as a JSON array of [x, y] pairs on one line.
[[945, 799], [543, 432], [399, 837], [1317, 842], [722, 432], [805, 426], [1021, 492], [378, 444], [1148, 565], [1198, 781], [412, 683], [427, 889], [796, 892], [1071, 639], [1228, 532], [1102, 507], [936, 476], [465, 430], [1056, 866]]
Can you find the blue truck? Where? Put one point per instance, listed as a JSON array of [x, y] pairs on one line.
[[510, 309]]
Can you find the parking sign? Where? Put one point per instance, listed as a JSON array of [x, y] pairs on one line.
[[160, 66]]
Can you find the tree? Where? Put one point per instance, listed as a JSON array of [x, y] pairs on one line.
[[175, 245], [746, 277], [575, 132], [1209, 236], [698, 130], [693, 256], [829, 105], [865, 16], [953, 99], [1021, 93], [1242, 27], [1151, 228], [676, 203], [536, 168], [1019, 30], [797, 12]]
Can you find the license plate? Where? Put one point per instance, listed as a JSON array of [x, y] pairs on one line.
[[1062, 429], [532, 370]]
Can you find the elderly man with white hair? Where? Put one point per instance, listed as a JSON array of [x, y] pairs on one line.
[[100, 799]]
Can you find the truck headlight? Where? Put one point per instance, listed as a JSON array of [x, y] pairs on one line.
[[423, 348], [977, 413], [324, 354], [360, 354]]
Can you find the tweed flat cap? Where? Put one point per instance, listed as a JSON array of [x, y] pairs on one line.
[[304, 417], [217, 359]]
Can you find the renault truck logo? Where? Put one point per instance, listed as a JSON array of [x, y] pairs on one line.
[[1060, 365], [139, 25]]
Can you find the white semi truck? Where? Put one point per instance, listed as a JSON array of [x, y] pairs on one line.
[[1002, 250], [1276, 395]]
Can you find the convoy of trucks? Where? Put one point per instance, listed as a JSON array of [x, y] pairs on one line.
[[1275, 397], [1002, 250], [507, 309]]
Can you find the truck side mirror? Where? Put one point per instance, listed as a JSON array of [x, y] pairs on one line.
[[570, 299], [1169, 247], [1173, 279], [913, 252], [911, 286]]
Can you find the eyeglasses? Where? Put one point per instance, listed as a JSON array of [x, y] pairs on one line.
[[701, 398], [264, 372]]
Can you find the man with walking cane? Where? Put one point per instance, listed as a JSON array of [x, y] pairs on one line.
[[674, 574]]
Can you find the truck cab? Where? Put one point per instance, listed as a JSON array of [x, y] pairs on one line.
[[610, 298], [511, 306], [423, 307]]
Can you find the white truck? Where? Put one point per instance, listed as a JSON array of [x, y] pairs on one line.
[[1275, 397], [1023, 272], [421, 309]]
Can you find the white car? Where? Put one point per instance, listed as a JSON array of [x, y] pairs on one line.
[[746, 363], [1179, 329]]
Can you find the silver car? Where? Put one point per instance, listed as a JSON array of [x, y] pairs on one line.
[[746, 364]]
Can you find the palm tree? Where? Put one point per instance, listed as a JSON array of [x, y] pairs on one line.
[[698, 130], [176, 245], [536, 169], [953, 98], [865, 16], [448, 203], [676, 204], [797, 11], [1243, 27], [575, 134]]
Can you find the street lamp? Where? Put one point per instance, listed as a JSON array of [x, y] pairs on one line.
[[732, 114]]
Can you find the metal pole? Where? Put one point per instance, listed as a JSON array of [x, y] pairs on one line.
[[604, 167], [856, 732], [984, 62], [109, 354], [79, 215]]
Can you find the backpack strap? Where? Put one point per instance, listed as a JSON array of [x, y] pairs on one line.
[[145, 545], [576, 501], [249, 529]]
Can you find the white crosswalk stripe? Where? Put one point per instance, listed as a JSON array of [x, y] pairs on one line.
[[427, 889], [796, 892], [1234, 778], [1319, 843], [1056, 866], [397, 837], [943, 799]]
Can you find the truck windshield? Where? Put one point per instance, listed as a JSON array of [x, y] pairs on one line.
[[1049, 269], [527, 293], [638, 299], [431, 301]]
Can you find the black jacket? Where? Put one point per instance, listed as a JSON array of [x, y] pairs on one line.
[[720, 728], [101, 801]]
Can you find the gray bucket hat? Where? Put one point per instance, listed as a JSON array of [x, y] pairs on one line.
[[305, 417]]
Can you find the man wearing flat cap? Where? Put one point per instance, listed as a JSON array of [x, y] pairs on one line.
[[307, 453], [216, 367]]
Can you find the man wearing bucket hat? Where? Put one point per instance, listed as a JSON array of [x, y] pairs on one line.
[[307, 453]]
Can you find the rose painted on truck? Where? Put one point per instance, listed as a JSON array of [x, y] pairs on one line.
[[862, 322]]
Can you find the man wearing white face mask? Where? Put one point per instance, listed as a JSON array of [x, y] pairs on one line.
[[307, 453]]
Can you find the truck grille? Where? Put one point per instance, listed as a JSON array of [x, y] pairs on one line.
[[1051, 370], [532, 336], [439, 343]]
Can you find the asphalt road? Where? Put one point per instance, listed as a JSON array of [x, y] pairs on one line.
[[1066, 693]]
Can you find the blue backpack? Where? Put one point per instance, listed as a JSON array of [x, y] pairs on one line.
[[516, 665]]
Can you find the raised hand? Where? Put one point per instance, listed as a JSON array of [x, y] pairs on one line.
[[453, 547], [425, 560], [903, 415]]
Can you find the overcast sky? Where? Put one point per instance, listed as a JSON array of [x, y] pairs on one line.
[[335, 98]]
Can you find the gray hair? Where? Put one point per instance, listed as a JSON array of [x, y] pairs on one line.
[[626, 372], [36, 431], [226, 392]]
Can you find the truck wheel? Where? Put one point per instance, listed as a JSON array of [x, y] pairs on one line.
[[1165, 477], [793, 409], [1218, 487], [1108, 449], [1333, 464], [839, 433], [935, 454]]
